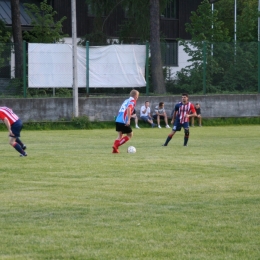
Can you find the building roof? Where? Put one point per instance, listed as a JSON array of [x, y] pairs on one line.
[[6, 13]]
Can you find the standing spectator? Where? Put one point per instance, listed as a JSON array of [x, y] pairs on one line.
[[14, 126], [123, 121], [159, 114], [182, 112], [145, 113], [198, 116], [135, 117]]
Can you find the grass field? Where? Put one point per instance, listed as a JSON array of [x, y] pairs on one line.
[[71, 198]]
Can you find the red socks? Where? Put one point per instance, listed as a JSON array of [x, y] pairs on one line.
[[116, 144], [123, 140], [120, 142]]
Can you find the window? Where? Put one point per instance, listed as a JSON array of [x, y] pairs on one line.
[[171, 10], [169, 50]]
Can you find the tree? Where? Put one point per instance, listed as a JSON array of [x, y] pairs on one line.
[[45, 29], [229, 66], [247, 14], [156, 58], [202, 32], [17, 36], [4, 42], [247, 23], [5, 34]]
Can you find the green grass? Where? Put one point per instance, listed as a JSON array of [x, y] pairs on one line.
[[83, 122], [71, 198]]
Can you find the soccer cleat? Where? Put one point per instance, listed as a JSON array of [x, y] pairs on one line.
[[167, 126], [137, 127], [159, 126], [24, 147], [164, 145], [115, 149], [23, 155]]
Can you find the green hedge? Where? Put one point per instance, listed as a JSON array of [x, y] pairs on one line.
[[84, 123]]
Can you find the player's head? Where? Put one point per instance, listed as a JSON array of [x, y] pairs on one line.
[[197, 105], [147, 103], [134, 93], [185, 98], [161, 104]]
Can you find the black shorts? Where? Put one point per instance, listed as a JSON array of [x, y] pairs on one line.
[[125, 129], [155, 117]]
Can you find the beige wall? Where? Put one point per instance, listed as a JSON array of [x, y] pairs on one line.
[[104, 109]]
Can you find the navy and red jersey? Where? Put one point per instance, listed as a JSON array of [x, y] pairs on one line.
[[8, 113], [122, 113], [183, 109]]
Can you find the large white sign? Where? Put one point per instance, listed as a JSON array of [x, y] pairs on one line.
[[113, 66]]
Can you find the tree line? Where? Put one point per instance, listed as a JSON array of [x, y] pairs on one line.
[[213, 28]]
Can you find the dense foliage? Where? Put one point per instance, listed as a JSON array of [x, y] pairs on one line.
[[5, 35], [225, 64], [45, 29]]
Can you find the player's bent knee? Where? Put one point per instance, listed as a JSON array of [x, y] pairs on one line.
[[11, 143], [130, 135]]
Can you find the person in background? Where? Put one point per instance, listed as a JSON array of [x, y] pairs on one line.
[[145, 113], [182, 112], [160, 113], [14, 126], [198, 116], [134, 116], [123, 121]]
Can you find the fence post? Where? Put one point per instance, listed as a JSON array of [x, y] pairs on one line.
[[87, 68], [204, 67], [147, 68], [24, 69]]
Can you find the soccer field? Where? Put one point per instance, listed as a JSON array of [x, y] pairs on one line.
[[71, 198]]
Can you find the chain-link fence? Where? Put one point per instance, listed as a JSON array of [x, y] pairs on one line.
[[193, 67], [217, 68]]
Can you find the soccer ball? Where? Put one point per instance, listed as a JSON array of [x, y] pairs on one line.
[[131, 149]]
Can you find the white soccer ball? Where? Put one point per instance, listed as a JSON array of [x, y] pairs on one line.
[[131, 149]]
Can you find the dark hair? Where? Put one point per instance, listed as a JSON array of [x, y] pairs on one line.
[[160, 104], [185, 94]]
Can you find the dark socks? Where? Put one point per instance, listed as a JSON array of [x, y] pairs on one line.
[[19, 142], [168, 139], [18, 148], [186, 140]]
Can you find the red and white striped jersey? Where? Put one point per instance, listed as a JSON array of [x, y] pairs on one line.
[[184, 109], [8, 113]]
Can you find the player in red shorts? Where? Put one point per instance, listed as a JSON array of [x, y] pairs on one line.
[[182, 112], [123, 120], [14, 126]]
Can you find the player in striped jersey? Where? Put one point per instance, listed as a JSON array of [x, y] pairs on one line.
[[182, 112], [14, 126]]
